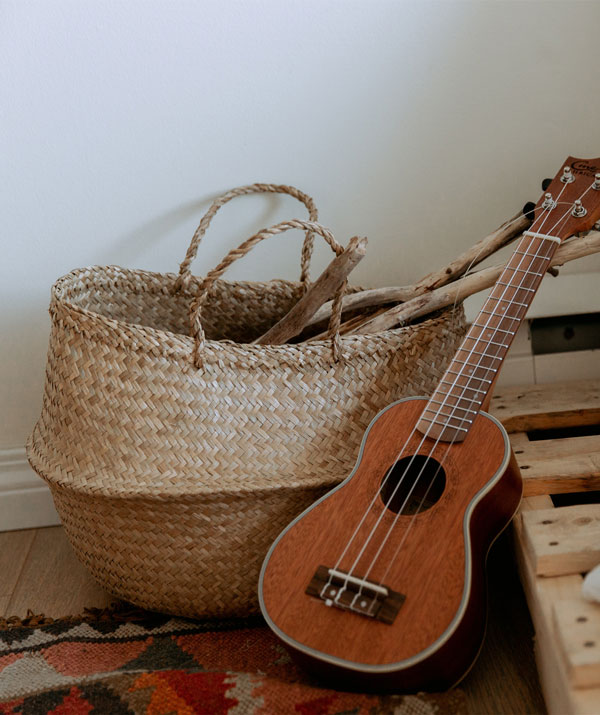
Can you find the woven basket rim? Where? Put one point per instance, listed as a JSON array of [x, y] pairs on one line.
[[226, 362], [177, 346]]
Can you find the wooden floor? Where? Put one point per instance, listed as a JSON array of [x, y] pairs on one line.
[[39, 572]]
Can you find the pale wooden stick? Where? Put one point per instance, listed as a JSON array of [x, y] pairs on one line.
[[350, 326], [474, 255], [365, 299], [321, 290], [570, 250]]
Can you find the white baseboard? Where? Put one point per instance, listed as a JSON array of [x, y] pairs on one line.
[[25, 499]]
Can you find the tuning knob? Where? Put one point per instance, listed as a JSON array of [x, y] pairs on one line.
[[596, 184], [546, 183], [549, 202], [578, 209], [567, 176]]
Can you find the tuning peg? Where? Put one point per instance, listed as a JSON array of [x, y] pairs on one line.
[[546, 183], [578, 209], [567, 176], [549, 202], [596, 184]]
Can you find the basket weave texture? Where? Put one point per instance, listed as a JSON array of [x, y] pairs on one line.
[[171, 480]]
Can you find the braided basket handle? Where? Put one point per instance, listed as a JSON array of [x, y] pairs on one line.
[[197, 330], [183, 279]]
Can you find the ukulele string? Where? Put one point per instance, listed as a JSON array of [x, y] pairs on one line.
[[369, 507], [461, 397], [475, 260], [439, 467], [439, 411], [451, 416], [384, 510], [342, 589], [534, 257]]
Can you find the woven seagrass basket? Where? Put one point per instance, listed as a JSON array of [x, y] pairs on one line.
[[176, 456]]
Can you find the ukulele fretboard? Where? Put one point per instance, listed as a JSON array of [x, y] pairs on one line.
[[460, 394]]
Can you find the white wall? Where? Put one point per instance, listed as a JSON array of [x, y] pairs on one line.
[[421, 125]]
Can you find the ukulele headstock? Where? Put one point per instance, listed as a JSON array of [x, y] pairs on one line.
[[571, 202]]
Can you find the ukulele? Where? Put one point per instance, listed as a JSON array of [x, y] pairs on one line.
[[380, 584]]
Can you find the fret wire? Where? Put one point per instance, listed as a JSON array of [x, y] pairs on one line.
[[494, 328], [449, 414], [464, 387], [476, 352], [510, 285], [524, 270], [476, 367], [510, 302], [536, 269], [457, 407], [473, 367], [489, 342], [531, 255], [502, 316], [444, 424], [468, 377]]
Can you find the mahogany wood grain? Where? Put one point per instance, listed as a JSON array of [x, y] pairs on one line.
[[429, 568]]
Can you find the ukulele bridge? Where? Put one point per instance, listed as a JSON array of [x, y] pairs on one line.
[[352, 593]]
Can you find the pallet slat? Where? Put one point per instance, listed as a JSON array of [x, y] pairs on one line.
[[555, 545], [537, 407], [558, 466], [563, 540], [577, 626]]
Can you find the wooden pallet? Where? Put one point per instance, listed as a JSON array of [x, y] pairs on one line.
[[557, 545]]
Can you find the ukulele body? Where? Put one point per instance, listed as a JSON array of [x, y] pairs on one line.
[[422, 573]]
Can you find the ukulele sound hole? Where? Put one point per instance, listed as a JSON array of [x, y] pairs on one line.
[[413, 488]]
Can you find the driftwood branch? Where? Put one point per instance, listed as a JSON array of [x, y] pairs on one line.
[[321, 290], [470, 258], [474, 255], [570, 250]]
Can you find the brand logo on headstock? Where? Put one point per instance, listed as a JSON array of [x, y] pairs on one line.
[[584, 167]]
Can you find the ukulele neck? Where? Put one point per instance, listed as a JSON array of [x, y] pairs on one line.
[[470, 376], [469, 379]]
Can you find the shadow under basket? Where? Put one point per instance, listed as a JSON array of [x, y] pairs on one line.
[[171, 480]]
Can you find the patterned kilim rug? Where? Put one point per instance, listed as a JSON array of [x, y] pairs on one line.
[[119, 661]]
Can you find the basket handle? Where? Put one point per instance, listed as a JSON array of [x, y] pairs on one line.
[[197, 330], [183, 279]]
